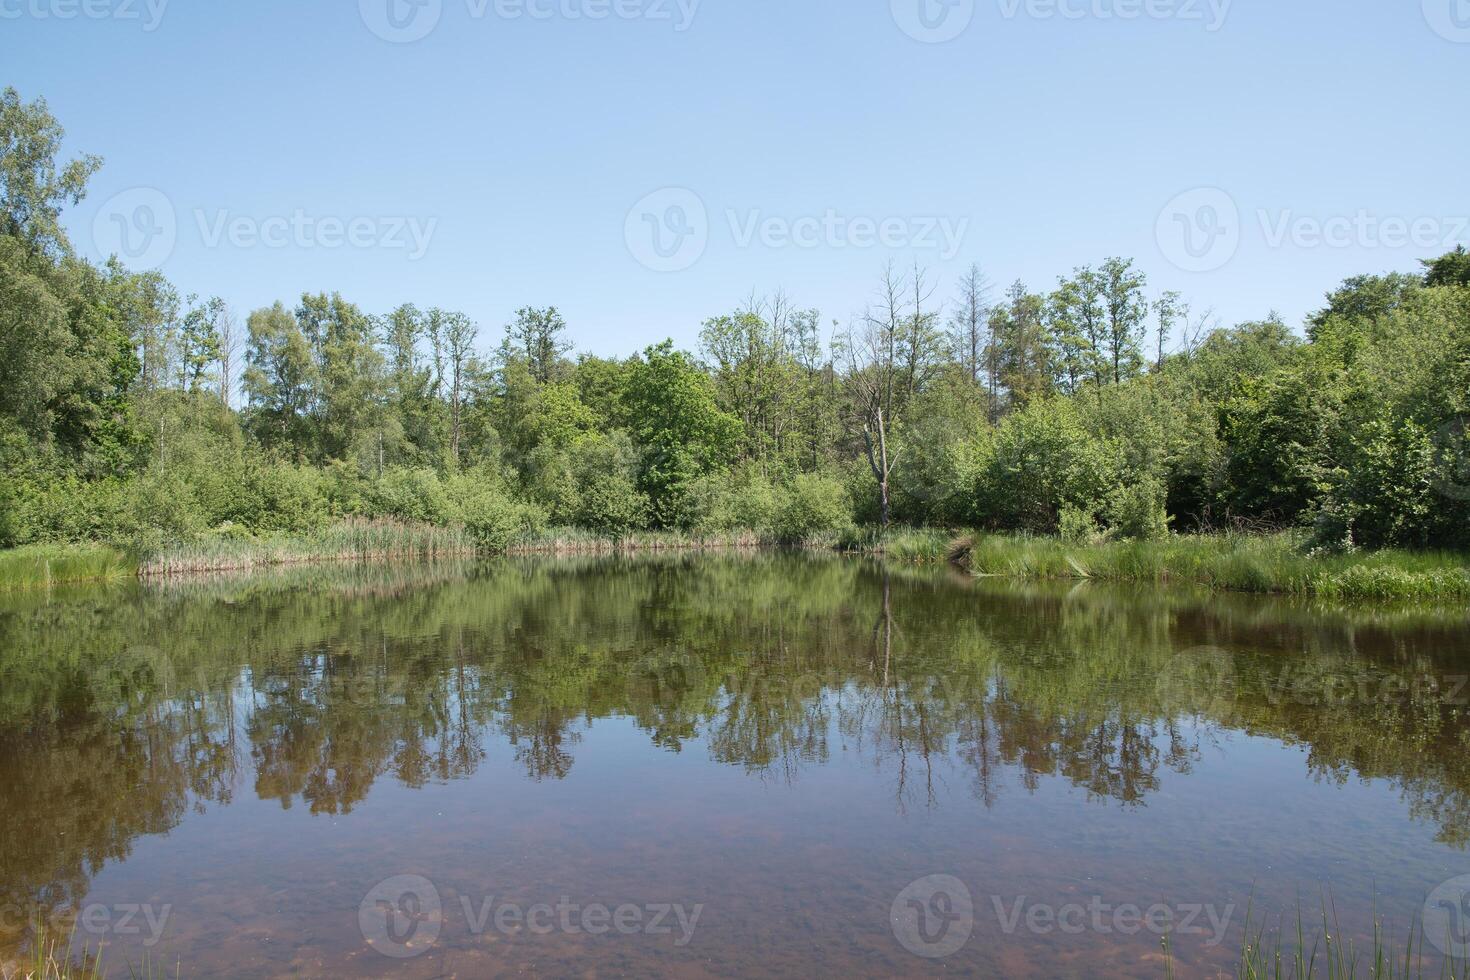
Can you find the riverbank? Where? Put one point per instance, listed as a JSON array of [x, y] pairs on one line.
[[42, 566], [1277, 564]]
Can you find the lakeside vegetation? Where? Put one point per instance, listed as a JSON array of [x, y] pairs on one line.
[[1295, 951], [1259, 564], [43, 565], [1275, 564], [1094, 429]]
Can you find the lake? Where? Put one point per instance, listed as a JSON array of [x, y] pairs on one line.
[[704, 766]]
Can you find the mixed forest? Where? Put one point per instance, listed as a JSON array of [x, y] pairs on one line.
[[1091, 406]]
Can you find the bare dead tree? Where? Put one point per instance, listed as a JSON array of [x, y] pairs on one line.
[[969, 325], [227, 329], [1196, 330], [872, 350], [922, 340]]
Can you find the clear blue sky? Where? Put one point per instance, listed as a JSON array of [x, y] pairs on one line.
[[1053, 139]]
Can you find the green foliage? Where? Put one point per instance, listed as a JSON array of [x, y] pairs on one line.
[[1040, 413], [671, 406], [1078, 525], [1450, 269], [610, 504], [813, 504], [1136, 510], [45, 565], [733, 501], [410, 495], [278, 497], [1042, 459], [1275, 436], [1243, 563], [34, 187], [494, 520]]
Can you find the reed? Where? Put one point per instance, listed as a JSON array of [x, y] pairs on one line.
[[44, 565], [1294, 952], [574, 541], [351, 540], [1235, 562], [52, 960], [916, 545]]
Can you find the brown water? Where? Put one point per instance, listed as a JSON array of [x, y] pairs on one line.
[[723, 766]]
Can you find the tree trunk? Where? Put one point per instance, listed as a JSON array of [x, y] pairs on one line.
[[879, 460]]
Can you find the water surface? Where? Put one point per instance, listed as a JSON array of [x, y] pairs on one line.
[[772, 765]]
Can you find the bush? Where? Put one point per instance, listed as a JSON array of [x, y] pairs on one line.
[[1136, 510], [164, 503], [495, 521], [66, 508], [1043, 459], [812, 504], [1079, 526], [734, 502], [279, 497], [1385, 496], [611, 505], [410, 495]]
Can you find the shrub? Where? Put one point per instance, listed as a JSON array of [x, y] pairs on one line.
[[1136, 510], [1079, 526], [410, 495], [495, 521], [161, 510], [1043, 460], [279, 497], [734, 502], [1385, 495], [611, 505], [812, 504], [66, 508]]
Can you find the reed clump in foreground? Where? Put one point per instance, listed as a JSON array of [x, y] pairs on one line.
[[44, 565], [1268, 564], [51, 959], [1302, 954]]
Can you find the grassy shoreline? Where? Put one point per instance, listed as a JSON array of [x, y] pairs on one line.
[[1259, 564], [44, 565]]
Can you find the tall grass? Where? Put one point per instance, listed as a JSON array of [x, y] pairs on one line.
[[897, 544], [51, 960], [1241, 563], [1283, 955], [352, 540], [574, 541], [43, 565]]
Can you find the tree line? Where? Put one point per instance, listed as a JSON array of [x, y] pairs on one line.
[[1093, 407]]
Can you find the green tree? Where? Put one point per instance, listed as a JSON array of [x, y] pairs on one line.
[[347, 406], [1127, 311], [34, 186], [1019, 329], [199, 341], [538, 337], [280, 378], [678, 426], [1450, 269]]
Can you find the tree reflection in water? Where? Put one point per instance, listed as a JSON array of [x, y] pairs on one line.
[[121, 708]]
